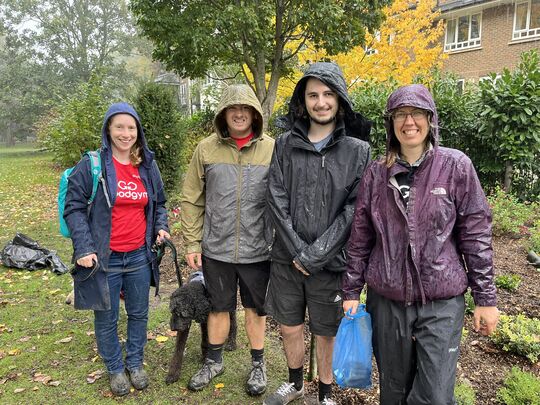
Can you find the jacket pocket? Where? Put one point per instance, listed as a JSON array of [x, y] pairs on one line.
[[440, 208], [256, 178]]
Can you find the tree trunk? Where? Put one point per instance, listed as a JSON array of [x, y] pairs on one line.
[[10, 139], [508, 172]]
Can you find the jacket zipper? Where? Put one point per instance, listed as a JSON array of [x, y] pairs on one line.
[[238, 197]]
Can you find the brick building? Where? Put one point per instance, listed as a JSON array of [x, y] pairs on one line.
[[484, 36]]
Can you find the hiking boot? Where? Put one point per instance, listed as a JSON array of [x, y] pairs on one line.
[[285, 393], [202, 378], [327, 401], [139, 378], [256, 383], [119, 383]]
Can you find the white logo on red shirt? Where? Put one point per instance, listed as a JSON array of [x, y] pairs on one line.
[[129, 191]]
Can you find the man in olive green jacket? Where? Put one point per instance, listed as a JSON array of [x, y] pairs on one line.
[[225, 227]]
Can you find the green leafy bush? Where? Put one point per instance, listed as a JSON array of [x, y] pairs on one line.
[[464, 394], [534, 240], [519, 334], [469, 302], [199, 126], [510, 216], [164, 129], [508, 282], [369, 99], [75, 126], [520, 388], [509, 123]]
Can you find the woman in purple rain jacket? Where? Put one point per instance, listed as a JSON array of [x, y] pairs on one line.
[[421, 235]]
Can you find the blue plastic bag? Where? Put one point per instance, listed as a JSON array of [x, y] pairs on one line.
[[351, 362]]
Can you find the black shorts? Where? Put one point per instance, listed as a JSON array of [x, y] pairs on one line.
[[290, 293], [222, 280]]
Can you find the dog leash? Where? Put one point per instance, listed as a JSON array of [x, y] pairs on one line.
[[158, 249], [160, 252]]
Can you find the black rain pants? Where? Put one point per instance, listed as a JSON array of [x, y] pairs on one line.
[[416, 348]]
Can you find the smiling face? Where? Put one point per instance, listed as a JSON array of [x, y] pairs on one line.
[[123, 133], [411, 126], [322, 102], [239, 118]]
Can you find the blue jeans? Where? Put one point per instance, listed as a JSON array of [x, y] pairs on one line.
[[136, 287]]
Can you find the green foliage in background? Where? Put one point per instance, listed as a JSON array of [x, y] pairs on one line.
[[163, 128], [75, 126], [520, 335], [534, 240], [520, 388], [464, 393], [469, 302], [199, 126], [509, 282], [510, 216], [369, 99], [509, 124]]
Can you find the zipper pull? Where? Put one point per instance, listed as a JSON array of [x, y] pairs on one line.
[[323, 161]]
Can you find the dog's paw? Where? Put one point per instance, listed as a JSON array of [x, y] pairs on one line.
[[171, 379]]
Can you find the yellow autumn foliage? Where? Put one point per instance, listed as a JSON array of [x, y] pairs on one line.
[[407, 45]]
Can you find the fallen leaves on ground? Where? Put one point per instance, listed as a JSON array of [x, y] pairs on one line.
[[45, 379], [65, 340], [14, 352], [41, 378], [92, 377], [161, 339]]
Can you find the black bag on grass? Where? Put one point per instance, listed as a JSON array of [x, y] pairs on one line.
[[25, 253]]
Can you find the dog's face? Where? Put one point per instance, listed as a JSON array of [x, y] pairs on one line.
[[188, 303]]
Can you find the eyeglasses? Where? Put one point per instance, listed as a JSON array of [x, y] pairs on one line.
[[417, 115]]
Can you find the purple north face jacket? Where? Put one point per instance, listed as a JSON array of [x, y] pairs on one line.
[[440, 244]]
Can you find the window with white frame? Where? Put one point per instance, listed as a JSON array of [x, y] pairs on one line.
[[183, 94], [463, 32], [527, 19]]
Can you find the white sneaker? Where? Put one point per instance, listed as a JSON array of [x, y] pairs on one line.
[[284, 394]]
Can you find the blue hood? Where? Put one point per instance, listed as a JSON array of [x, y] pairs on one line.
[[125, 108]]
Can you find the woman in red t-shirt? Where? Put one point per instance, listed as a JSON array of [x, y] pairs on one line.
[[115, 234]]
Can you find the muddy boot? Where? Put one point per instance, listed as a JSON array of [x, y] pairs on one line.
[[119, 383]]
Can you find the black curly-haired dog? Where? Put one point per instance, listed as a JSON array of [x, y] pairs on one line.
[[190, 303]]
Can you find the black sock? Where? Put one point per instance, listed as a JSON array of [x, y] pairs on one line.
[[215, 352], [257, 354], [325, 390], [296, 376]]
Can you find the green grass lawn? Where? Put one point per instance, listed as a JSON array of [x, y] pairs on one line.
[[47, 349]]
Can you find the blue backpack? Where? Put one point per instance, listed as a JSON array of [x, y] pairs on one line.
[[95, 165]]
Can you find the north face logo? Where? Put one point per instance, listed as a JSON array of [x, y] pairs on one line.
[[338, 298], [438, 191]]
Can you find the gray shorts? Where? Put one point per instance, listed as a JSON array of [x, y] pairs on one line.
[[290, 293]]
